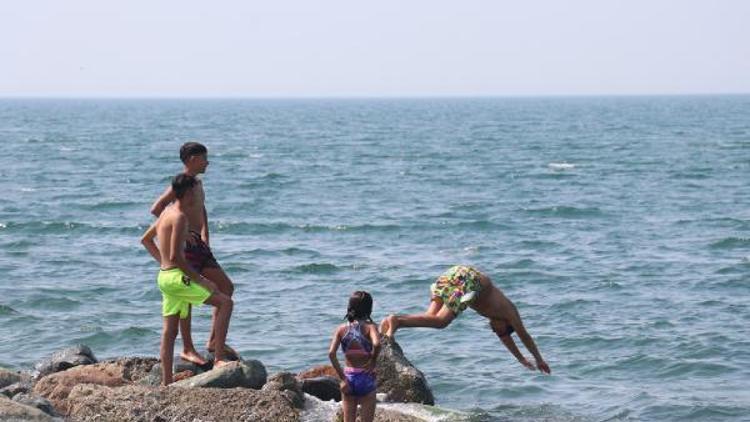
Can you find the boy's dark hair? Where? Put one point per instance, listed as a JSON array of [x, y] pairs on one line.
[[360, 306], [189, 149], [181, 184]]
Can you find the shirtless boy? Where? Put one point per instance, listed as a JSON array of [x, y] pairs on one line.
[[458, 288], [194, 157], [181, 286]]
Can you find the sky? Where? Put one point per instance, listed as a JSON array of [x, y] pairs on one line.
[[383, 48]]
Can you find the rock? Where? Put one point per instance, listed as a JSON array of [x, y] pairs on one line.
[[64, 359], [14, 411], [398, 378], [143, 403], [37, 402], [56, 387], [248, 374], [325, 388], [287, 383], [319, 371], [8, 377], [133, 368], [17, 388]]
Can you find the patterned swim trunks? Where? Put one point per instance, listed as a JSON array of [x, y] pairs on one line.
[[457, 288], [198, 254]]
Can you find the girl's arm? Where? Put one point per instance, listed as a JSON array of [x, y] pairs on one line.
[[148, 242], [335, 343], [165, 199]]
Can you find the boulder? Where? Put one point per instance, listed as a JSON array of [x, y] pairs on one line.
[[17, 388], [319, 371], [287, 384], [8, 377], [56, 387], [64, 359], [37, 402], [143, 403], [247, 374], [398, 378], [325, 388], [14, 411]]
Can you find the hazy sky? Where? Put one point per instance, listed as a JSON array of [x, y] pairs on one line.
[[372, 48]]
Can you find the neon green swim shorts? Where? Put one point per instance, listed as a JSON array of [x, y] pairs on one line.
[[178, 294], [457, 288]]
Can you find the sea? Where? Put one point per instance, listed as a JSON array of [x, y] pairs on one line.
[[619, 226]]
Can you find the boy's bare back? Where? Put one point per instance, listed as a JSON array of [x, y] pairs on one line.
[[171, 228]]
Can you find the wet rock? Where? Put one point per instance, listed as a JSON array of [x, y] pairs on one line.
[[17, 388], [319, 371], [8, 377], [287, 384], [142, 403], [325, 388], [14, 411], [398, 378], [37, 402], [247, 374], [64, 359]]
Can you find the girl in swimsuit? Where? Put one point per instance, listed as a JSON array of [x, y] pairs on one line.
[[360, 343]]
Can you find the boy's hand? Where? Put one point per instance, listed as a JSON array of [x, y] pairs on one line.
[[208, 284], [542, 366], [525, 362]]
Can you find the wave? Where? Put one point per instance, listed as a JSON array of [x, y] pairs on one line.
[[62, 227], [271, 228], [731, 243], [316, 268], [7, 310], [561, 166], [566, 212]]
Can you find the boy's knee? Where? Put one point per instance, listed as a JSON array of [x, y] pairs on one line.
[[444, 322]]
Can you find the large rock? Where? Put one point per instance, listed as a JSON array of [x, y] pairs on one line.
[[64, 359], [247, 374], [56, 387], [8, 377], [14, 411], [143, 403], [17, 388], [37, 402], [398, 378], [325, 388], [318, 371], [287, 384]]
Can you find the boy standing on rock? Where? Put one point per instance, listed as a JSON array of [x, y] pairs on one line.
[[194, 157], [181, 286]]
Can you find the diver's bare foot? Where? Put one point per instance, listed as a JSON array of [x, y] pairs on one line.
[[389, 326], [193, 357]]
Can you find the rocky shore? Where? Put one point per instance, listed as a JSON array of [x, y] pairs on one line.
[[72, 385]]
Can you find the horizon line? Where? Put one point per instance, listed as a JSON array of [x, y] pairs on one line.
[[360, 97]]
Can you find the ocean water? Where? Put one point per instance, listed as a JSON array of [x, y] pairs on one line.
[[619, 226]]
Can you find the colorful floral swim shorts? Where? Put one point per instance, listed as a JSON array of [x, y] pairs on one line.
[[457, 288]]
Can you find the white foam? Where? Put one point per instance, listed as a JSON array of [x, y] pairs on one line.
[[317, 410], [561, 166]]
